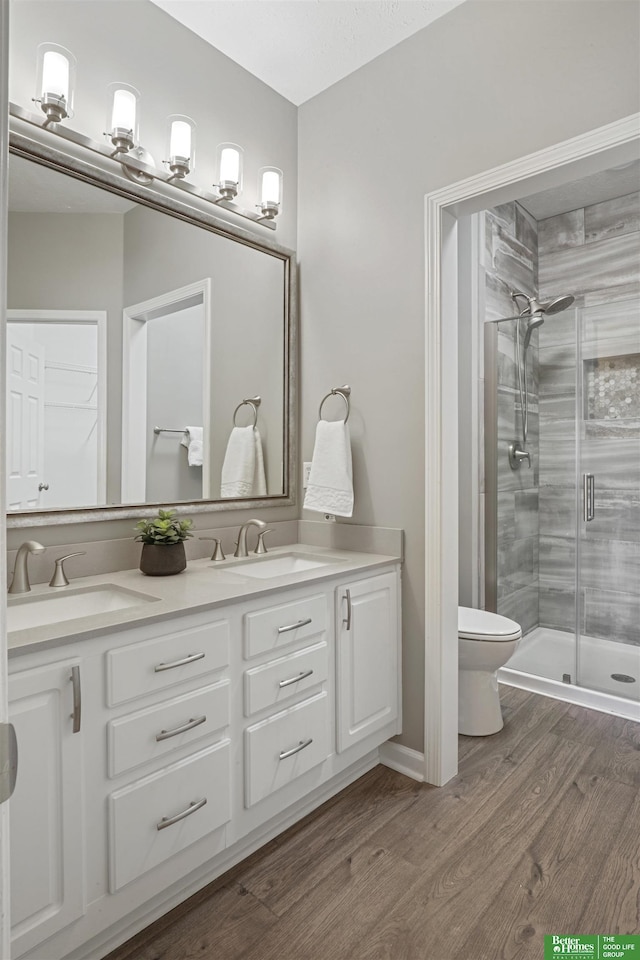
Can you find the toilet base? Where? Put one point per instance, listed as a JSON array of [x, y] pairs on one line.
[[479, 711]]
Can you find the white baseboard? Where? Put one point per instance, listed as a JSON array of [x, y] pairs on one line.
[[403, 759]]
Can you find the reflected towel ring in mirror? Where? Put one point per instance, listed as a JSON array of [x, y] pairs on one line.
[[344, 392], [253, 402]]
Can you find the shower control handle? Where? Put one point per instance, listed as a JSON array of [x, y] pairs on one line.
[[588, 497], [517, 455]]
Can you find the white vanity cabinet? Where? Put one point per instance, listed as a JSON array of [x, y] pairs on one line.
[[46, 809], [367, 657], [204, 734]]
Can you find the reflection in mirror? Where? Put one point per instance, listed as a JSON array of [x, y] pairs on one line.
[[134, 339]]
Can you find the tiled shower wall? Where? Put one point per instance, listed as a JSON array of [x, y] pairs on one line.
[[594, 255], [509, 263]]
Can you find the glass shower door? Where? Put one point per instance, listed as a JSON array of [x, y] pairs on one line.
[[608, 479]]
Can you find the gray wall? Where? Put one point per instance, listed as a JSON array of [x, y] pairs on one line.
[[594, 255], [457, 98]]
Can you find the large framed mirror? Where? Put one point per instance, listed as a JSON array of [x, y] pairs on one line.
[[151, 348]]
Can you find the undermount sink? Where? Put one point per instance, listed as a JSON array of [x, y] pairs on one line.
[[286, 563], [35, 611]]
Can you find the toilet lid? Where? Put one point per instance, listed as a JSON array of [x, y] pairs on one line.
[[483, 625]]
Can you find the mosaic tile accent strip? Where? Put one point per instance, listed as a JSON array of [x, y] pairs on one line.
[[613, 388]]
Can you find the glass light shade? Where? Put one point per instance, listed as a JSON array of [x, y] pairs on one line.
[[55, 84], [229, 168], [270, 185], [122, 115], [181, 135]]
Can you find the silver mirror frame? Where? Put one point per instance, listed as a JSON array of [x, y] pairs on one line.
[[44, 148]]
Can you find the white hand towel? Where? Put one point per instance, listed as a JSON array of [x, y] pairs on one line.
[[330, 488], [238, 469], [193, 440], [259, 479]]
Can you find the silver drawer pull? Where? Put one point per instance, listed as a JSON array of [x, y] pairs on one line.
[[294, 626], [301, 676], [191, 658], [301, 746], [189, 725], [169, 821]]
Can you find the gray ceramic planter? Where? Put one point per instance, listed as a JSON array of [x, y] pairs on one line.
[[162, 560]]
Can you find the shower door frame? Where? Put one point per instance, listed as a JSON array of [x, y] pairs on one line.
[[610, 145]]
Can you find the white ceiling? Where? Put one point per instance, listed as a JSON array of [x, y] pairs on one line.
[[301, 47]]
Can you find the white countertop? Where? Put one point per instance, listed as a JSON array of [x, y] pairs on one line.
[[204, 585]]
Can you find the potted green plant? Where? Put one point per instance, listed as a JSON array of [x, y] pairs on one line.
[[162, 539]]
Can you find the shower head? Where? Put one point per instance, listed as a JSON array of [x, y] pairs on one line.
[[536, 313], [557, 305]]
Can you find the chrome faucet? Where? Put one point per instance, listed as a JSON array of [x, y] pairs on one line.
[[20, 582], [241, 548]]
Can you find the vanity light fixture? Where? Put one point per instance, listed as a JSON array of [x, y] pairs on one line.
[[269, 191], [229, 168], [55, 82], [181, 133], [55, 92]]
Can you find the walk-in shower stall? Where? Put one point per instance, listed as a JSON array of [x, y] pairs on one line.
[[560, 541]]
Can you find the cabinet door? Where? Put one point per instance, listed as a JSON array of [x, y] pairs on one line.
[[45, 812], [367, 657]]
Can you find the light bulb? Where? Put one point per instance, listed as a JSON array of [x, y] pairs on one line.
[[123, 113], [55, 74], [181, 134], [270, 191], [229, 170]]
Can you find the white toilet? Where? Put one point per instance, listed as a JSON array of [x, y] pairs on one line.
[[485, 643]]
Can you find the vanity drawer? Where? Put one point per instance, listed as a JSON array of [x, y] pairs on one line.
[[155, 664], [275, 627], [133, 740], [281, 679], [285, 746], [136, 844]]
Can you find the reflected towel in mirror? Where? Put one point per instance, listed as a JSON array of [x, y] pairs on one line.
[[243, 468], [330, 488], [193, 440]]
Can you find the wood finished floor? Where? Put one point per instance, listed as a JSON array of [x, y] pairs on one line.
[[538, 834]]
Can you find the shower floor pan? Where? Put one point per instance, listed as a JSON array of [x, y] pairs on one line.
[[548, 655]]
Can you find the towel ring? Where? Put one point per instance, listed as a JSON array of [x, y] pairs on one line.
[[254, 403], [345, 393]]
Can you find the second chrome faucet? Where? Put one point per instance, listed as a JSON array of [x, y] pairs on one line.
[[241, 546]]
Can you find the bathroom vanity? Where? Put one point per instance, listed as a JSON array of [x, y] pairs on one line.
[[163, 741]]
